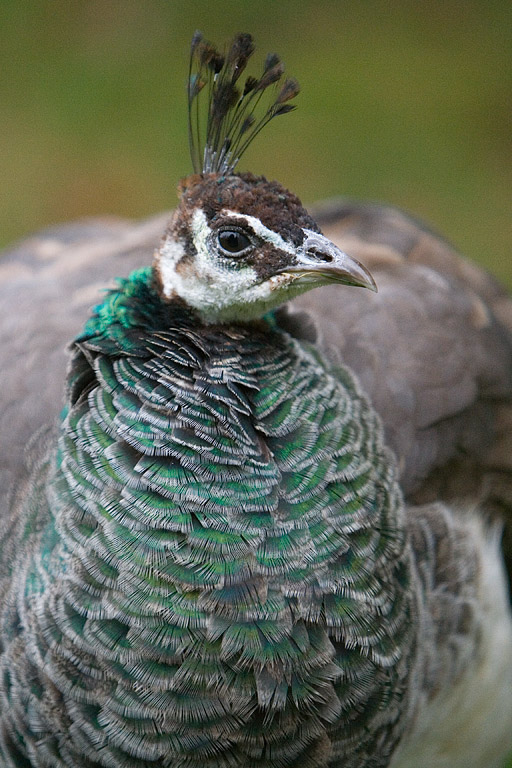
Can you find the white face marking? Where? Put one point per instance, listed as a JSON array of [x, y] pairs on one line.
[[218, 289], [262, 231], [167, 258]]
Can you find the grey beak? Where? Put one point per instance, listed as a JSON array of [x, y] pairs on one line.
[[318, 259]]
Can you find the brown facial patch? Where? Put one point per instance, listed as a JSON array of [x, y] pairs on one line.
[[270, 261]]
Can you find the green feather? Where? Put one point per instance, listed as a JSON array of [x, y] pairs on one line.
[[220, 519]]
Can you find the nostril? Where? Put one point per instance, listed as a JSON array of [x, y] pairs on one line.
[[320, 255]]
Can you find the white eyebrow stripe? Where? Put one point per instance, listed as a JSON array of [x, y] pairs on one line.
[[262, 231]]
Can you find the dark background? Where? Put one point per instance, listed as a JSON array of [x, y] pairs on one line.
[[404, 102]]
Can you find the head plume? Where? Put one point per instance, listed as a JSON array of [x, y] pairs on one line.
[[221, 131]]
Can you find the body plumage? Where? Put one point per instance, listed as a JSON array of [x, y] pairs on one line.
[[212, 563]]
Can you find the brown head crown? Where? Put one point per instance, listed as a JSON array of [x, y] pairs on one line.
[[222, 126]]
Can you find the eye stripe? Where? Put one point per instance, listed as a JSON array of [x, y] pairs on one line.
[[261, 231]]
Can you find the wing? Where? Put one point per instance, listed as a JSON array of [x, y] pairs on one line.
[[48, 284], [433, 350]]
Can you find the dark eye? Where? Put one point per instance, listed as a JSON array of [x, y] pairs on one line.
[[232, 241]]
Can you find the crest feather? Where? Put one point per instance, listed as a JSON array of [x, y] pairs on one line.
[[224, 123]]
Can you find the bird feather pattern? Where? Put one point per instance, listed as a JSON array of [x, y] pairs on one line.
[[261, 538]]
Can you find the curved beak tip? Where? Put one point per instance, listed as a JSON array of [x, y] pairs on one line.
[[371, 284], [349, 271]]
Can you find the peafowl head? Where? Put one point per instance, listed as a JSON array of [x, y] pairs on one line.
[[239, 245]]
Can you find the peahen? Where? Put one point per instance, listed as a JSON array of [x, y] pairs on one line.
[[256, 537]]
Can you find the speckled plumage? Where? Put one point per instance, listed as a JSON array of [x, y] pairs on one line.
[[210, 561]]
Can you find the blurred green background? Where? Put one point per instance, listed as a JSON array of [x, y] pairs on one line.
[[404, 102]]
